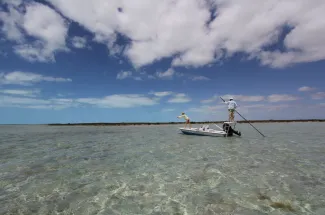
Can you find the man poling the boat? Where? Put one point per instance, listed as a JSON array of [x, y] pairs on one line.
[[244, 118], [232, 105], [187, 119]]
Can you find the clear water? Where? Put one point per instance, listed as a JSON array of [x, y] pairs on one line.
[[157, 170]]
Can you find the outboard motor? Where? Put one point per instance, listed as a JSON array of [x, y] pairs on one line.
[[229, 130]]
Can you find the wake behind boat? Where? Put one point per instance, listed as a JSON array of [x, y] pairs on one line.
[[226, 131]]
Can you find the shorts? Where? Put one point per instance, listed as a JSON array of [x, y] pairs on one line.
[[188, 121], [231, 110]]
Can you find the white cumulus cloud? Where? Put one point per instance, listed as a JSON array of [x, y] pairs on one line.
[[306, 89], [168, 74], [28, 78], [162, 93], [119, 101], [21, 92], [20, 100], [200, 78], [318, 95], [79, 42], [38, 21], [159, 29], [179, 98], [281, 97], [127, 74], [253, 98], [208, 109], [36, 103], [245, 98], [123, 75]]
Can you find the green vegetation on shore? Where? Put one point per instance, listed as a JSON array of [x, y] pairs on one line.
[[172, 123]]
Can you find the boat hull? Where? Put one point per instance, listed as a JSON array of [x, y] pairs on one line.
[[209, 132]]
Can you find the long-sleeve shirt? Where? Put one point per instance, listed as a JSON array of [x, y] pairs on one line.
[[183, 116], [231, 104]]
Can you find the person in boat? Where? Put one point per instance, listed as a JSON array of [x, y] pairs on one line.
[[187, 119], [229, 130], [232, 105]]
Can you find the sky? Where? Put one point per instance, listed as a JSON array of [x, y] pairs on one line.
[[74, 61]]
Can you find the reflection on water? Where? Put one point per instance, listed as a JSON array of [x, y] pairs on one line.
[[157, 170]]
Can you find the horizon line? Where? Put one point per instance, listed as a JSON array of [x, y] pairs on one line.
[[168, 123]]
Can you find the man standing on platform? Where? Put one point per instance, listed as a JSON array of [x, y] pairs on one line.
[[232, 105]]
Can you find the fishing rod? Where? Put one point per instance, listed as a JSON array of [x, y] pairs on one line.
[[246, 120]]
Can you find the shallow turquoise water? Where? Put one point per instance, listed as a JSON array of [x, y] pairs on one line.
[[157, 170]]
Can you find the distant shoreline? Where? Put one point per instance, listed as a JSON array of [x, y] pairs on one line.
[[177, 123]]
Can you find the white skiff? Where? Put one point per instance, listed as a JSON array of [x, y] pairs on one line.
[[206, 131]]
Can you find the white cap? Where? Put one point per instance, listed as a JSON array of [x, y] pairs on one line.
[[231, 98]]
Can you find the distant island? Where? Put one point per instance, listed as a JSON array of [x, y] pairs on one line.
[[177, 123]]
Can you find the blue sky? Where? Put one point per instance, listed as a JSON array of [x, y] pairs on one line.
[[81, 61]]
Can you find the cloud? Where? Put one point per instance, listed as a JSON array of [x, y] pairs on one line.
[[119, 101], [12, 2], [35, 103], [318, 95], [208, 109], [254, 98], [213, 99], [161, 94], [213, 109], [127, 74], [168, 110], [167, 74], [306, 89], [244, 98], [11, 21], [36, 21], [179, 98], [267, 107], [111, 101], [123, 75], [250, 98], [20, 92], [281, 97], [138, 78], [27, 78], [79, 42], [160, 29], [200, 78]]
